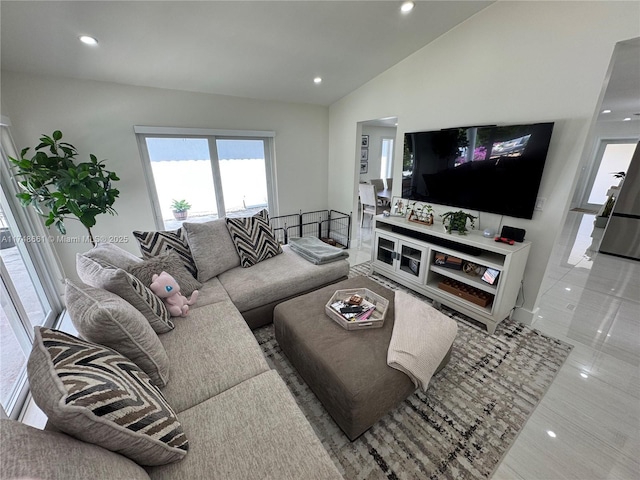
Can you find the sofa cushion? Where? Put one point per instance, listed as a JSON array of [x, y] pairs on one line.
[[95, 394], [112, 254], [210, 350], [212, 291], [212, 248], [255, 286], [252, 431], [105, 318], [253, 238], [31, 453], [171, 263], [155, 243], [100, 274]]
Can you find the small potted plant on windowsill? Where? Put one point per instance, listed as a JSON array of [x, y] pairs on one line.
[[180, 209], [457, 221]]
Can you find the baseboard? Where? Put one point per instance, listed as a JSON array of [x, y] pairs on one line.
[[525, 316]]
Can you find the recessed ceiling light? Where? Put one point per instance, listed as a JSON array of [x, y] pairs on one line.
[[88, 40], [626, 119], [584, 375], [407, 6], [606, 111], [551, 433], [317, 80]]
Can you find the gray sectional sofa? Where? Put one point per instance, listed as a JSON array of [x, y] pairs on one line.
[[231, 416]]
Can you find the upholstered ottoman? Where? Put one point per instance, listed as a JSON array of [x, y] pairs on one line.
[[347, 370]]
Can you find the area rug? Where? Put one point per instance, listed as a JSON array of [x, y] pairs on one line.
[[463, 425]]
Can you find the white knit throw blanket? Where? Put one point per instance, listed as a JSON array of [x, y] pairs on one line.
[[420, 340]]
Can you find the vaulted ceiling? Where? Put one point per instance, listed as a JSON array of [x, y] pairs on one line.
[[257, 49]]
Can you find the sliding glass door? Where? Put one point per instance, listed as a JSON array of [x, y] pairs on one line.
[[216, 175]]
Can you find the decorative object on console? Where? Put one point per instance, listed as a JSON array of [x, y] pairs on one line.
[[513, 233], [488, 233], [253, 238], [95, 394], [421, 213], [166, 287], [398, 207], [180, 209], [469, 293], [448, 261], [458, 221], [54, 184]]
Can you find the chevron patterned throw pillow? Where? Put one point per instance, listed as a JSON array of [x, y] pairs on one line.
[[253, 238]]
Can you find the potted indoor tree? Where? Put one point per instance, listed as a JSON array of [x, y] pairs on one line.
[[180, 209], [457, 221], [58, 188]]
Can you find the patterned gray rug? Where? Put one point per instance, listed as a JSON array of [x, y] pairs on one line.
[[465, 423]]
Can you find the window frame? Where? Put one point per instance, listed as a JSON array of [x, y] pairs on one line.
[[41, 261], [211, 135]]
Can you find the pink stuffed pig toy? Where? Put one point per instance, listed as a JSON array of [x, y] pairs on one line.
[[166, 287]]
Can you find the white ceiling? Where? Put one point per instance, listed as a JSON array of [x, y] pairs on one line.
[[257, 49]]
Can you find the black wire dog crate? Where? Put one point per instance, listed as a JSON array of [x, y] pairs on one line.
[[323, 224]]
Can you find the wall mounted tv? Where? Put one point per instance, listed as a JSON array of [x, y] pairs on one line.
[[489, 169]]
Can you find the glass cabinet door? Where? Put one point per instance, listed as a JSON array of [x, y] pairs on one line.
[[385, 250], [412, 262]]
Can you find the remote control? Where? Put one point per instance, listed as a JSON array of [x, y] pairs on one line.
[[355, 309]]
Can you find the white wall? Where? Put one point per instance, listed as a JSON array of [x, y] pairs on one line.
[[376, 134], [512, 62], [99, 117]]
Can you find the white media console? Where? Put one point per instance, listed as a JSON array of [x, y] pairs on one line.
[[406, 252]]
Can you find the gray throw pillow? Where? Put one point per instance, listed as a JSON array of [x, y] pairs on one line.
[[96, 395], [105, 318], [171, 263], [99, 274], [112, 254], [212, 248], [153, 244], [253, 238]]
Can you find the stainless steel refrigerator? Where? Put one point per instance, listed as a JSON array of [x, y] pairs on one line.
[[622, 234]]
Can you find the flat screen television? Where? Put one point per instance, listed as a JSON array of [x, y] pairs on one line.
[[489, 169]]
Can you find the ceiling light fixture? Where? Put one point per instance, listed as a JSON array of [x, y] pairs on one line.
[[606, 111], [86, 39], [317, 80], [407, 6], [551, 433], [626, 119]]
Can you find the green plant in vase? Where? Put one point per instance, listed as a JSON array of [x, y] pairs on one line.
[[180, 209], [426, 214], [458, 221], [58, 188]]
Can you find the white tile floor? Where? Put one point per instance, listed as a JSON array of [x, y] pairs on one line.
[[592, 301]]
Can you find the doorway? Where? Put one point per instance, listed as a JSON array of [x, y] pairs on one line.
[[376, 147], [612, 157]]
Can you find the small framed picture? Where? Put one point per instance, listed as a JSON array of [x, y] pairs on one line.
[[365, 141], [364, 155], [364, 167], [398, 207]]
